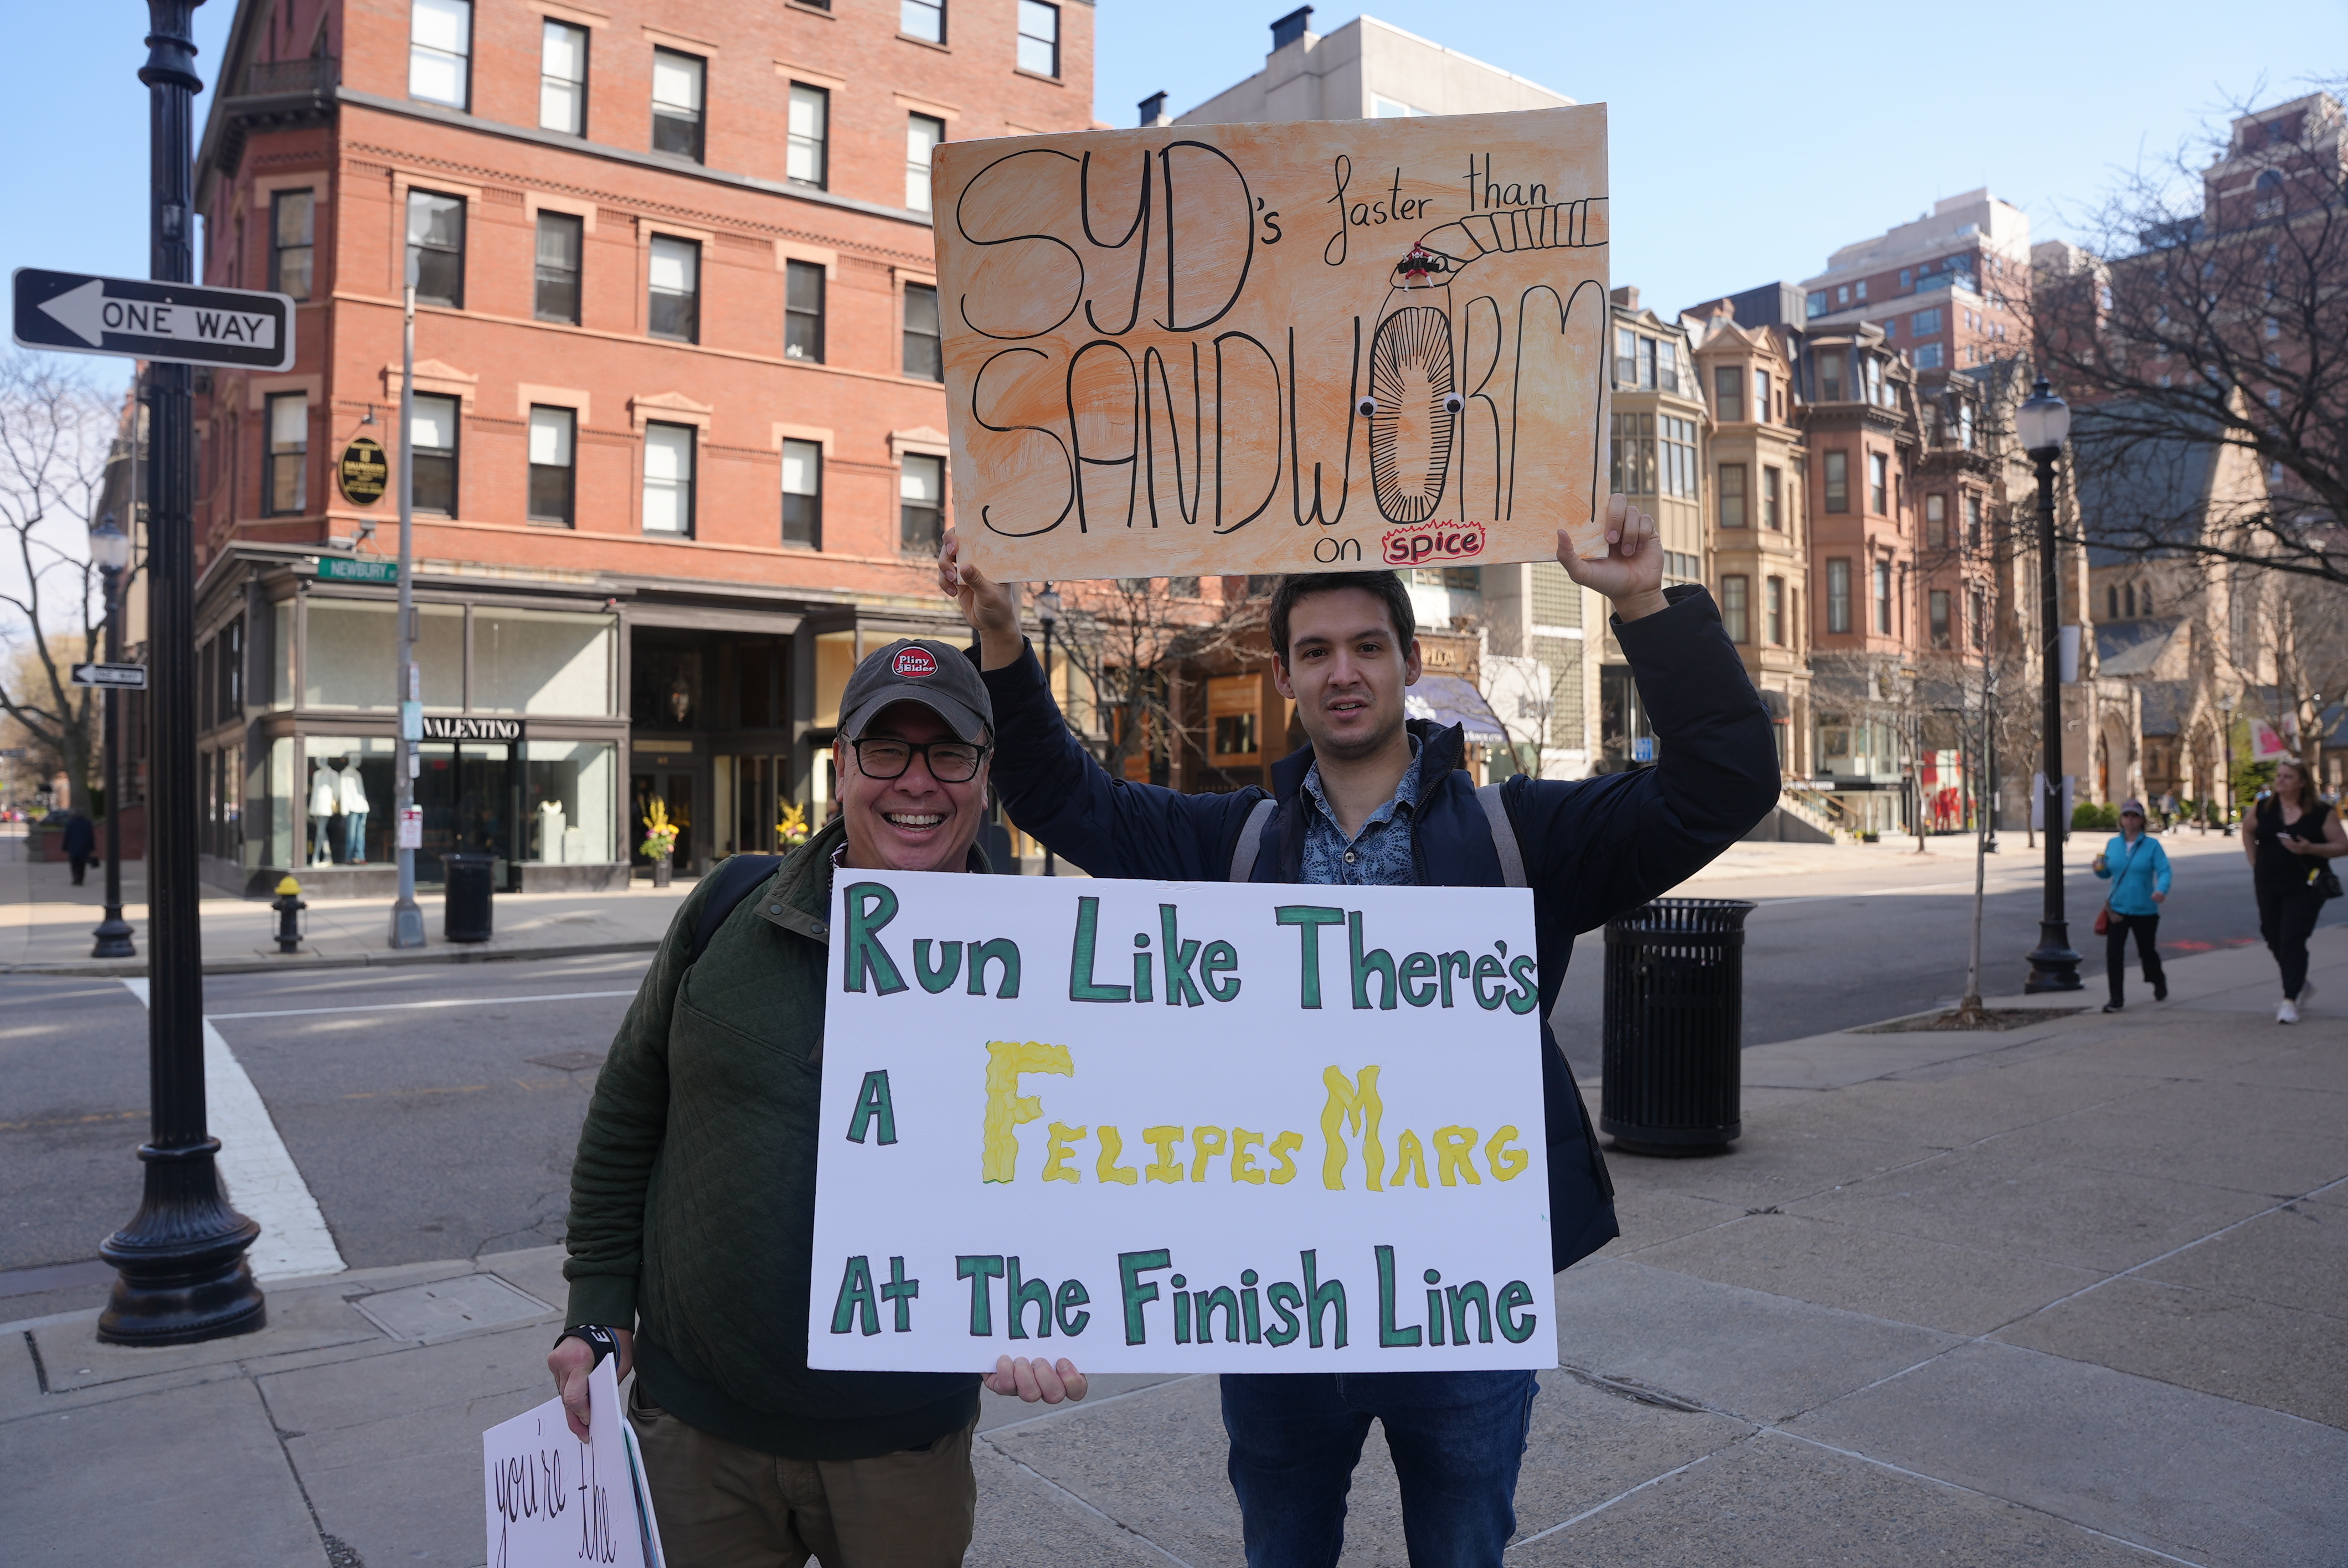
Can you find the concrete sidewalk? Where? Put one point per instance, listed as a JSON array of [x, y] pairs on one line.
[[2071, 1294], [46, 923]]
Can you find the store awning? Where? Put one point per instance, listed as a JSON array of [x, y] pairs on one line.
[[1448, 699]]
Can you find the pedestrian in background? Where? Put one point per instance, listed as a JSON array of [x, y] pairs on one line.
[[2138, 869], [80, 845], [2289, 833]]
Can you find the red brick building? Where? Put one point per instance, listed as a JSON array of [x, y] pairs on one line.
[[679, 443], [1950, 290]]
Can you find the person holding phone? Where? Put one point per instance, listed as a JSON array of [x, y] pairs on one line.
[[2291, 833]]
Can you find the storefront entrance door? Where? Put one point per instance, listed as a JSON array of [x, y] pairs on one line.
[[674, 791], [469, 792]]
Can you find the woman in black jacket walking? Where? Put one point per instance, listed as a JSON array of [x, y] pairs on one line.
[[2292, 831]]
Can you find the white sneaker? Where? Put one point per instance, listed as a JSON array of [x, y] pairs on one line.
[[2287, 1013]]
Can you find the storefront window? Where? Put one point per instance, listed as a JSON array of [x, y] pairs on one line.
[[343, 804], [352, 659], [569, 789], [284, 811], [542, 662], [835, 661]]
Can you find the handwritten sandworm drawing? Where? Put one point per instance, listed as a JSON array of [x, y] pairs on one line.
[[1255, 348]]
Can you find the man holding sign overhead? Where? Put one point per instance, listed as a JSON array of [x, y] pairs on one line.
[[1376, 800], [693, 1197]]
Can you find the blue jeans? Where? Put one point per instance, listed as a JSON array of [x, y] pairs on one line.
[[1457, 1437]]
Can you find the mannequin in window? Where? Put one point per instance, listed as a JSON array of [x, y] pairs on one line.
[[354, 798], [550, 824], [325, 800]]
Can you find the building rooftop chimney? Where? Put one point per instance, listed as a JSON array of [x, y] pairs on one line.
[[1290, 28], [1153, 110], [1627, 296]]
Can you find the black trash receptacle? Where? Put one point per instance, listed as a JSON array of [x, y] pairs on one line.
[[465, 915], [1675, 1021]]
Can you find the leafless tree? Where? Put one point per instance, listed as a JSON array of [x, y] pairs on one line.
[[2195, 317], [56, 439], [1126, 638]]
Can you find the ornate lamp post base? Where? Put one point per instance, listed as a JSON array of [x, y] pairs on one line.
[[114, 934], [181, 1274], [2054, 967]]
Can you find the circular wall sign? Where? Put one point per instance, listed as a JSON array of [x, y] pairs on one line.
[[365, 474]]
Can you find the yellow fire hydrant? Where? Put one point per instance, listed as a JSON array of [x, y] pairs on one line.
[[289, 906]]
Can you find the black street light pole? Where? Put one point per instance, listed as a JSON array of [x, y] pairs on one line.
[[109, 547], [2043, 424], [181, 1264]]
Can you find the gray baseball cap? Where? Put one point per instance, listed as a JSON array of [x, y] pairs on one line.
[[917, 670]]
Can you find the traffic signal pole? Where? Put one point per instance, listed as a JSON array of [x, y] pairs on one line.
[[181, 1274]]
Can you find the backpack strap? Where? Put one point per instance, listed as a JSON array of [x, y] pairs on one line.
[[1504, 836], [736, 878], [1252, 839]]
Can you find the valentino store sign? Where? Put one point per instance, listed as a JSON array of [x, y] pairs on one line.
[[465, 729]]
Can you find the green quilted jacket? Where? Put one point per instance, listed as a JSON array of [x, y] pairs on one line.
[[692, 1198]]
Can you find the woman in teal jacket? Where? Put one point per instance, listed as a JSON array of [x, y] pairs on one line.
[[2138, 869]]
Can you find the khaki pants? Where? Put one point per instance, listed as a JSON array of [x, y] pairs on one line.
[[721, 1505]]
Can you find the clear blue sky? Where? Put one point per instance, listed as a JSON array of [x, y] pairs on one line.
[[1748, 140]]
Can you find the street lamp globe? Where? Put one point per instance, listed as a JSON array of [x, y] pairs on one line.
[[2044, 422], [109, 547], [1048, 606]]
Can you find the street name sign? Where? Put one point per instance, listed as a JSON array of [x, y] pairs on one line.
[[343, 568], [130, 677], [177, 323]]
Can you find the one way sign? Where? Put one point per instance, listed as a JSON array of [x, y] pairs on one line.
[[175, 322], [133, 676]]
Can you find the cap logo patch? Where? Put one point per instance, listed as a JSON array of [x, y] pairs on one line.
[[914, 663]]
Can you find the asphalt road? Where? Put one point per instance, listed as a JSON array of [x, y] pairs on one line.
[[433, 1111]]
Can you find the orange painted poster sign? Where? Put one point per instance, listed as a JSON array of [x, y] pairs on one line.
[[1325, 345]]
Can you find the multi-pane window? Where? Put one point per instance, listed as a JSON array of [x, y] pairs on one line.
[[1937, 609], [1883, 598], [1774, 608], [1928, 357], [675, 309], [556, 297], [1633, 454], [1667, 366], [1924, 323], [439, 51], [1772, 483], [562, 80], [1875, 391], [1830, 378], [1732, 494], [668, 479], [1728, 394], [803, 311], [803, 494], [1761, 394], [432, 447], [922, 19], [289, 452], [1735, 613], [921, 502], [925, 349], [291, 215], [1626, 357], [1838, 594], [1972, 522], [806, 158], [1679, 457], [1647, 364], [436, 249], [1039, 37], [677, 82], [1879, 483], [554, 464], [1936, 521], [1838, 481], [922, 134], [1976, 622]]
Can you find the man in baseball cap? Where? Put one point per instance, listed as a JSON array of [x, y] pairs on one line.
[[689, 1254]]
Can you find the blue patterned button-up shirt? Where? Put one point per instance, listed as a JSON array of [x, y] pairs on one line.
[[1378, 856]]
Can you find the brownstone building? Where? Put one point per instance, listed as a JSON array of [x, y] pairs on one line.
[[679, 436]]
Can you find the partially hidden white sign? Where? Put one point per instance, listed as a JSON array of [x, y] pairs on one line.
[[1179, 1127], [552, 1501]]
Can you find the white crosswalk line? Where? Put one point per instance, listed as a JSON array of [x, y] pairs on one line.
[[261, 1181]]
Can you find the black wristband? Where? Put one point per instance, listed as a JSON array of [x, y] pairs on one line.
[[599, 1339]]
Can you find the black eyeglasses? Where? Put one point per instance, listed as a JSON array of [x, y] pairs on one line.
[[949, 762]]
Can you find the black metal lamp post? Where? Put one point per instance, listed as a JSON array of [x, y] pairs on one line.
[[2043, 424], [181, 1264], [2226, 782], [1048, 610], [109, 550]]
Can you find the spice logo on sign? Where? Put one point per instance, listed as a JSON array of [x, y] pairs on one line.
[[914, 664], [1436, 543]]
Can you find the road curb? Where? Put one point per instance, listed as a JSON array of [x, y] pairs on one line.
[[295, 963]]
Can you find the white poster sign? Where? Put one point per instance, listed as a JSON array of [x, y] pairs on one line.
[[552, 1501], [1179, 1127]]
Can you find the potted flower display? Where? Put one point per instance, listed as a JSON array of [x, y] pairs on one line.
[[660, 840]]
